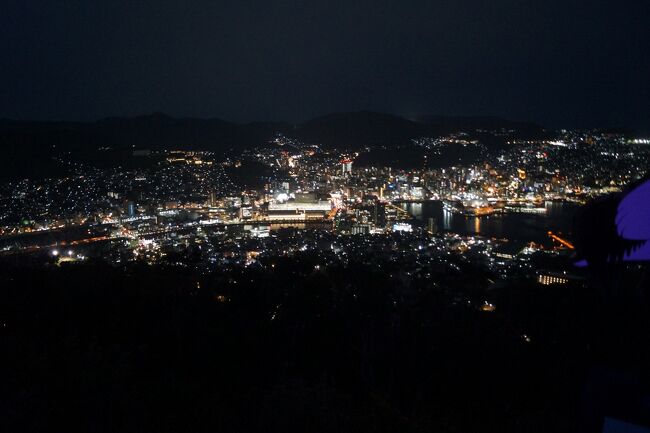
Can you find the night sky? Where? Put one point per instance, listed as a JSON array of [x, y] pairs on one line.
[[558, 62]]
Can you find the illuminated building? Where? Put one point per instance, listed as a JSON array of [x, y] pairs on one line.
[[258, 231], [548, 279], [294, 210], [131, 209], [521, 173], [509, 250], [245, 212], [346, 167], [402, 227], [360, 229]]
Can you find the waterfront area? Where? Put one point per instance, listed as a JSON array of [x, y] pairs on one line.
[[151, 202], [557, 217]]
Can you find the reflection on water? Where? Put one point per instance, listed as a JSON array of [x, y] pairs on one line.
[[520, 226], [416, 210], [447, 217]]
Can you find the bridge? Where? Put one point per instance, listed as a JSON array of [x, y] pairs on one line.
[[561, 241]]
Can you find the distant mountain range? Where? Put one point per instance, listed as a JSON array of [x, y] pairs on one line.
[[160, 131], [155, 131]]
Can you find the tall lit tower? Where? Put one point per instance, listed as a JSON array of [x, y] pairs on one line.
[[346, 167], [131, 209]]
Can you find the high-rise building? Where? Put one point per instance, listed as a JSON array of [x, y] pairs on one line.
[[346, 167], [131, 210]]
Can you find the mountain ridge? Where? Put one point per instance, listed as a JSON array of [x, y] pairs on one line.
[[161, 131]]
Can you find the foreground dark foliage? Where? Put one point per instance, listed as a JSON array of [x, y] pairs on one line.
[[99, 349]]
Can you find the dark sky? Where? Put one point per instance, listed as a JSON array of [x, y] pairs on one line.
[[558, 62]]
